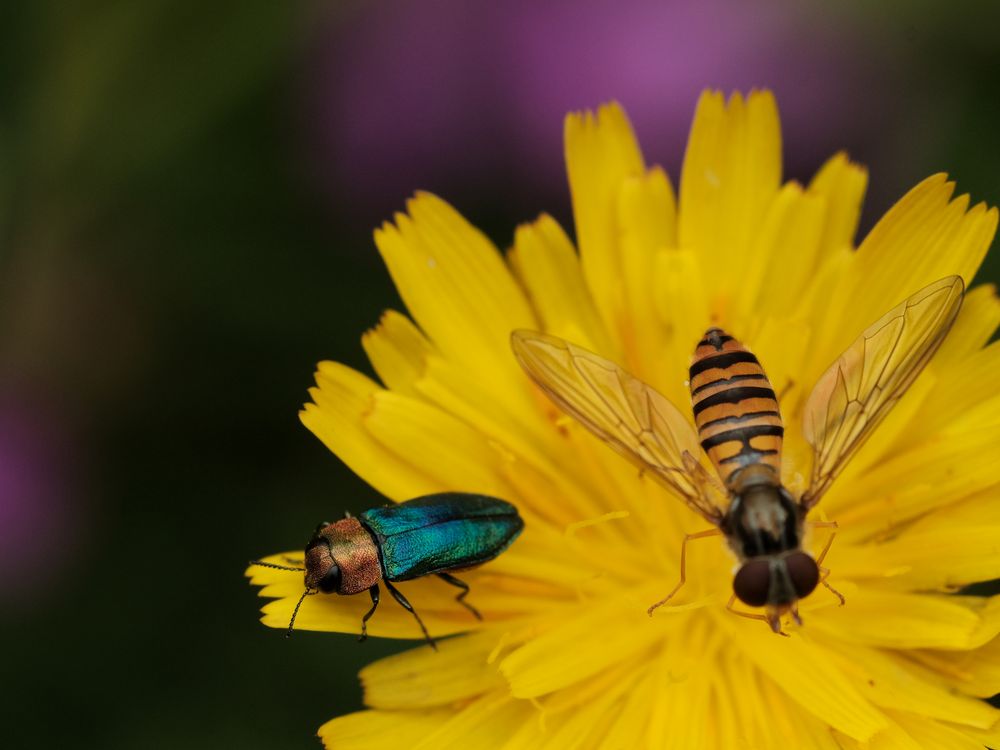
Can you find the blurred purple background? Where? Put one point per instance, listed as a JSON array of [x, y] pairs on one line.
[[41, 502], [452, 95]]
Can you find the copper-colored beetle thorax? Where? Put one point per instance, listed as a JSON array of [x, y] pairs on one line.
[[355, 552]]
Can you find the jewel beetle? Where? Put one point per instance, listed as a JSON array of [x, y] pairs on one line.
[[430, 535]]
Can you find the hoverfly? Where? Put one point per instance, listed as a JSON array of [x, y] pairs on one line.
[[741, 430]]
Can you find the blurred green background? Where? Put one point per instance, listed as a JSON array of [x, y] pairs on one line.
[[187, 193]]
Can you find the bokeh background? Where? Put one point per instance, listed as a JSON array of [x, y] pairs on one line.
[[187, 193]]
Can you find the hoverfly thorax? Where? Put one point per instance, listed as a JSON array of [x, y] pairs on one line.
[[763, 520]]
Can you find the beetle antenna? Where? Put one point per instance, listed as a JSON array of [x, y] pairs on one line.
[[263, 564], [295, 612]]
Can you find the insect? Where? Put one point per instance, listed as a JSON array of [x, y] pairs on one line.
[[430, 535], [741, 430]]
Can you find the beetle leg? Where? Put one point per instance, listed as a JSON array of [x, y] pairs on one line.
[[684, 544], [374, 591], [461, 597], [398, 596]]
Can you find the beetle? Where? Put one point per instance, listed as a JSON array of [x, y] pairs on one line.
[[429, 535]]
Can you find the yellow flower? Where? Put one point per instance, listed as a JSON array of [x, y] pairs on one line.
[[566, 656]]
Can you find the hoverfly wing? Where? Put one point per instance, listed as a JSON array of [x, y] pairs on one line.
[[858, 390], [620, 409]]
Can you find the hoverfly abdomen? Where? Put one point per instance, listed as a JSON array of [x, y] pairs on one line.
[[735, 407]]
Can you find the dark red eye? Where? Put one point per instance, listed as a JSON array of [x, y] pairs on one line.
[[322, 571], [803, 571], [753, 582]]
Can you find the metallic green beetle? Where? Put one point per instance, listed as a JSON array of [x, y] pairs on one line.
[[429, 535]]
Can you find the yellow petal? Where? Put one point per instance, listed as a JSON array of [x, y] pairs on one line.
[[456, 286], [433, 600], [746, 695], [973, 672], [940, 557], [892, 619], [579, 646], [547, 265], [787, 248], [646, 215], [924, 237], [601, 152], [530, 463], [891, 681], [927, 235], [732, 169], [988, 737], [398, 351], [488, 719], [372, 730], [342, 401], [841, 184], [935, 474], [422, 678], [680, 297], [965, 397], [785, 720], [807, 676], [575, 717], [453, 454], [629, 720], [681, 695], [933, 735], [977, 322], [893, 737]]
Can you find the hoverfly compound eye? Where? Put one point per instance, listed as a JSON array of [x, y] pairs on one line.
[[753, 582], [803, 571], [330, 582]]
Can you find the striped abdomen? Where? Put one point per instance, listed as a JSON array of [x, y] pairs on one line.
[[734, 406]]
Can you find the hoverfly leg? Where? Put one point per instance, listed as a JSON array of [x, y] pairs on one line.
[[789, 384], [772, 622], [398, 596], [829, 542], [461, 597], [374, 592], [795, 614], [824, 574], [687, 538]]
